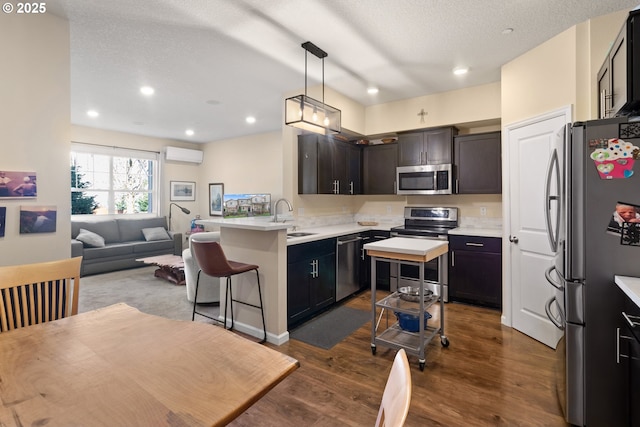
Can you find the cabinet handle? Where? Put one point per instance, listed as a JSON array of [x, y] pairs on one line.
[[342, 242], [631, 320], [457, 186], [337, 186], [453, 258], [351, 187], [317, 273], [474, 244], [618, 354]]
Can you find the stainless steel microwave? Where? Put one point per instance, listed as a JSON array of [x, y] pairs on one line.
[[424, 179]]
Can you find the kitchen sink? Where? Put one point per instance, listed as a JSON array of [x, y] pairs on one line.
[[299, 234]]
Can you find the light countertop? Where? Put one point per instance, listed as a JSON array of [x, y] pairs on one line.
[[263, 223], [406, 245], [317, 233], [630, 286], [477, 231], [328, 231]]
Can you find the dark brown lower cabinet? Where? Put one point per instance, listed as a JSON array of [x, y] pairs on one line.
[[475, 270], [311, 279]]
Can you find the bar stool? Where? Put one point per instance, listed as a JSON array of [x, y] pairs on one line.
[[213, 262]]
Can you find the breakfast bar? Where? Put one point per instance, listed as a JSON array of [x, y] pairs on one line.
[[408, 303]]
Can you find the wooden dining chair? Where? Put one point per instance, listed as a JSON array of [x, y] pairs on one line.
[[397, 394], [38, 293]]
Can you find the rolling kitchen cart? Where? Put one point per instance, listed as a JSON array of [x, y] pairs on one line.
[[408, 301]]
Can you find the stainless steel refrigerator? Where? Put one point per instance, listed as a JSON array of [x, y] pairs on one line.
[[588, 177]]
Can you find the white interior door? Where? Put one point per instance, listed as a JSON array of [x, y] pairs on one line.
[[530, 145]]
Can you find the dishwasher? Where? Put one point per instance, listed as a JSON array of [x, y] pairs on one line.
[[348, 265]]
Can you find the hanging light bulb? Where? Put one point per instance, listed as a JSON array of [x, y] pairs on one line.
[[314, 116]]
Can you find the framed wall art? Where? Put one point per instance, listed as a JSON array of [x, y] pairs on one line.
[[38, 219], [182, 191], [247, 205], [3, 216], [216, 199], [18, 185]]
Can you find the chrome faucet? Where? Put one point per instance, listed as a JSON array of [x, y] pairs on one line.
[[275, 209]]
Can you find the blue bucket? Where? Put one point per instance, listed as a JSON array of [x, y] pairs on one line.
[[409, 322]]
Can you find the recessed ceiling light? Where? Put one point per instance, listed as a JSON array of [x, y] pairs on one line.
[[460, 71], [251, 119], [147, 90], [189, 132], [372, 90], [92, 113], [507, 31]]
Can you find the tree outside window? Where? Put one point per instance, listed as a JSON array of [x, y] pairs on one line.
[[116, 183]]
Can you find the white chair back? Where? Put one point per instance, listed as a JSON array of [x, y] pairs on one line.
[[396, 397]]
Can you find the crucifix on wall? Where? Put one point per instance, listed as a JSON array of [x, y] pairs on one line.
[[422, 113]]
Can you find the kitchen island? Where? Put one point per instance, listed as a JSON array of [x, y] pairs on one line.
[[408, 304]]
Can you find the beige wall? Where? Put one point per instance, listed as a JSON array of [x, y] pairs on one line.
[[562, 71], [34, 129], [472, 104], [541, 80], [171, 171], [252, 164]]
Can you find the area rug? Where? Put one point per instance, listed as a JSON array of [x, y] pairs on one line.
[[139, 288], [331, 327]]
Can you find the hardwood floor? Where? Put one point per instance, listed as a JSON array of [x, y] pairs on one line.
[[490, 375]]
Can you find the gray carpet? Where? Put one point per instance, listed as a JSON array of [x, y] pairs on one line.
[[139, 288], [331, 327]]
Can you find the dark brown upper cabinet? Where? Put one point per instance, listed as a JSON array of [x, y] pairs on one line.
[[426, 147], [328, 166], [379, 168], [612, 78], [478, 163]]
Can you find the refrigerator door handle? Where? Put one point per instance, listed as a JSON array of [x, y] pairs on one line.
[[547, 308], [547, 275], [554, 166]]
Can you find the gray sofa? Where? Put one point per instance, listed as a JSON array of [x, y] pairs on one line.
[[124, 242]]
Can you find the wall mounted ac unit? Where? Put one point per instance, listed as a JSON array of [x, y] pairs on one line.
[[183, 155]]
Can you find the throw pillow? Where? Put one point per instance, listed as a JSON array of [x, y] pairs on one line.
[[90, 239], [155, 233]]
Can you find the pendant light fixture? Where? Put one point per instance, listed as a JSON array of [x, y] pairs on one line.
[[309, 114]]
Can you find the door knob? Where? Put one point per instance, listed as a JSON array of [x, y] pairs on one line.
[[513, 239]]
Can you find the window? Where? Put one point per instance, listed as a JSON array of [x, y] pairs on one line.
[[110, 180]]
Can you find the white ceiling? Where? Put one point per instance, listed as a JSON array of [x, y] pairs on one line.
[[214, 62]]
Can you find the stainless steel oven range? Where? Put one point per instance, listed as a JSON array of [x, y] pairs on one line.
[[424, 222]]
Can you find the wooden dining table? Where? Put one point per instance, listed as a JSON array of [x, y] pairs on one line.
[[116, 366]]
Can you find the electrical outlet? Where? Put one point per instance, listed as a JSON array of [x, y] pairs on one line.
[[483, 211], [300, 211], [389, 210]]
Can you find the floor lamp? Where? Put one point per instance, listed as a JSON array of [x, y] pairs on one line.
[[184, 210]]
